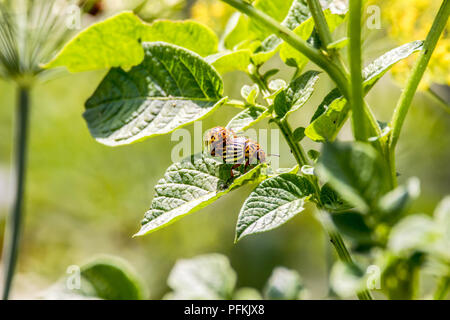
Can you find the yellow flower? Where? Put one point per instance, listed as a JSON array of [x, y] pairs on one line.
[[213, 13], [409, 20]]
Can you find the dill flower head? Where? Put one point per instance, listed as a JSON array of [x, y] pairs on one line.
[[409, 20], [31, 31]]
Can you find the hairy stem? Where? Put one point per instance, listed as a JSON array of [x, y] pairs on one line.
[[341, 249], [357, 97], [321, 23], [12, 234], [296, 148], [419, 68], [334, 71]]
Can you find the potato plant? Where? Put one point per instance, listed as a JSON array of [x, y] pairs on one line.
[[167, 74], [205, 277]]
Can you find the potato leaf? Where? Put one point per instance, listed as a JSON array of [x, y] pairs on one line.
[[228, 61], [296, 94], [116, 42], [272, 203], [105, 277], [284, 284], [247, 118], [334, 110], [208, 276], [171, 88], [356, 171], [188, 186]]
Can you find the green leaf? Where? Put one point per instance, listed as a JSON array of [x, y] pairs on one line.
[[171, 88], [236, 31], [113, 279], [326, 102], [188, 186], [421, 233], [250, 93], [247, 118], [331, 200], [333, 21], [269, 73], [116, 42], [277, 85], [327, 125], [313, 155], [356, 171], [266, 50], [284, 284], [208, 276], [247, 294], [289, 54], [346, 279], [272, 203], [338, 44], [188, 34], [246, 33], [277, 9], [304, 30], [298, 134], [400, 276], [296, 94], [374, 71], [279, 171], [103, 45], [395, 202], [298, 13], [229, 61], [334, 110], [242, 32], [353, 225], [105, 277], [416, 232]]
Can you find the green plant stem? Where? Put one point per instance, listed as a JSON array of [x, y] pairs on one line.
[[286, 130], [324, 33], [442, 288], [341, 249], [334, 71], [296, 148], [419, 68], [412, 84], [357, 97], [12, 234], [320, 22]]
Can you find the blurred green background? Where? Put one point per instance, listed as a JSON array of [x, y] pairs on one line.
[[85, 199]]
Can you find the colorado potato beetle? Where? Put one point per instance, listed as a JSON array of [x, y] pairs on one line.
[[233, 150], [217, 139]]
